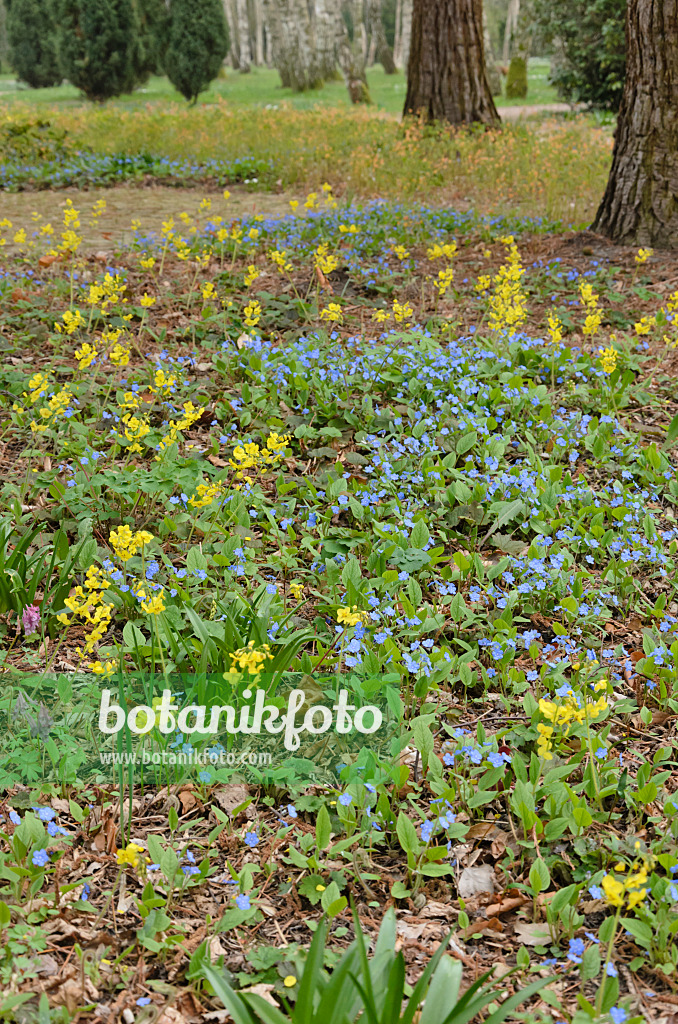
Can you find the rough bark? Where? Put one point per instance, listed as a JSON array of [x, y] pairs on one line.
[[352, 54], [232, 22], [640, 205], [520, 45], [291, 34], [244, 54], [406, 33], [446, 79]]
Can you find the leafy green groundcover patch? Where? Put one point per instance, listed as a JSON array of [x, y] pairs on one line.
[[372, 448]]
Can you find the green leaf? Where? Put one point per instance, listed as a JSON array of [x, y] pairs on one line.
[[672, 432], [540, 877], [407, 834], [323, 829]]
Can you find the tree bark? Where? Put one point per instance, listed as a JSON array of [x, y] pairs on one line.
[[491, 69], [244, 54], [259, 58], [640, 205], [327, 15], [351, 54], [382, 51], [294, 52], [446, 79], [406, 36]]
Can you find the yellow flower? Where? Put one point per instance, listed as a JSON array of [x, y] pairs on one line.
[[131, 855], [146, 301], [350, 615], [289, 981], [608, 359], [555, 329], [445, 280], [252, 313], [294, 204], [208, 290], [643, 255], [147, 262], [251, 275], [400, 252], [296, 590], [20, 237], [332, 313], [85, 355], [439, 252], [483, 283], [71, 322], [324, 260], [645, 325], [226, 194], [402, 311], [614, 890], [119, 354], [154, 605]]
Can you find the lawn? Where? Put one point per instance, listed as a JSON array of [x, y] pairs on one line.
[[261, 88], [410, 457]]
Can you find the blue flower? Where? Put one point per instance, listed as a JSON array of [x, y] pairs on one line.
[[40, 858], [242, 901], [575, 950], [611, 971], [143, 1000], [14, 818], [618, 1014], [252, 839], [596, 892], [345, 799]]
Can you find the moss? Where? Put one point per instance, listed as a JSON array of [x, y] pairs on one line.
[[516, 81]]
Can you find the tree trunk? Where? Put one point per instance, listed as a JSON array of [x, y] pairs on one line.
[[232, 23], [640, 205], [382, 51], [406, 37], [352, 55], [259, 58], [292, 41], [398, 33], [520, 45], [327, 15], [244, 55], [446, 79], [509, 29], [491, 69]]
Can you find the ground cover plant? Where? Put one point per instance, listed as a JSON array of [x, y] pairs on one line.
[[373, 446]]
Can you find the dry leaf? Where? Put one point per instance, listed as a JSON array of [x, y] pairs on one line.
[[476, 879]]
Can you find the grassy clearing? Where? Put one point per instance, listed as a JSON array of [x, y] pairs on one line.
[[261, 88], [374, 448], [553, 169]]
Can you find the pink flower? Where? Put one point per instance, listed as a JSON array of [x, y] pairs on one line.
[[31, 618]]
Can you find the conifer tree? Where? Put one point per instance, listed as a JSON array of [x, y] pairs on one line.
[[98, 46], [31, 36], [152, 15], [197, 44]]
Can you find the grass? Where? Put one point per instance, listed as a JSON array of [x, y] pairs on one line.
[[261, 88]]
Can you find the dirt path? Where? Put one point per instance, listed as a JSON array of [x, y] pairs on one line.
[[519, 113], [124, 203]]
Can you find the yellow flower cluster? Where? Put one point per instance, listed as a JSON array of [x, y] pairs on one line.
[[507, 302], [332, 313], [191, 415], [248, 659], [350, 616], [136, 429], [85, 355], [251, 456], [645, 325], [153, 605], [442, 252], [90, 608], [252, 313], [593, 315], [279, 257], [483, 283], [71, 322], [70, 239], [631, 890], [251, 275], [126, 544], [205, 494], [57, 406], [555, 329], [402, 311], [568, 713], [400, 252], [444, 280], [643, 255], [608, 358], [37, 387], [325, 261]]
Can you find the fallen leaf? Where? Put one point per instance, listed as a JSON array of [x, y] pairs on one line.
[[531, 933], [476, 879]]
